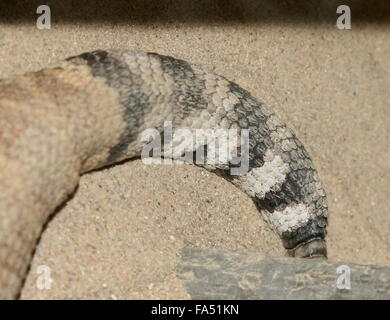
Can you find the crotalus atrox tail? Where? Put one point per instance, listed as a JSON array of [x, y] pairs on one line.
[[92, 110]]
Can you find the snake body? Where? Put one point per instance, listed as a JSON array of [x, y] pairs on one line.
[[91, 110]]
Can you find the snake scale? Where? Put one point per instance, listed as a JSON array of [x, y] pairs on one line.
[[90, 110]]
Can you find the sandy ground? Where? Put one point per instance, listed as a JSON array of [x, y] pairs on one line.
[[121, 234]]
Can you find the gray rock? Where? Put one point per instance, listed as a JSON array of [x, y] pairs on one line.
[[215, 274]]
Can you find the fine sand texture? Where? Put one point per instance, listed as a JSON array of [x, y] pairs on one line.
[[121, 233]]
